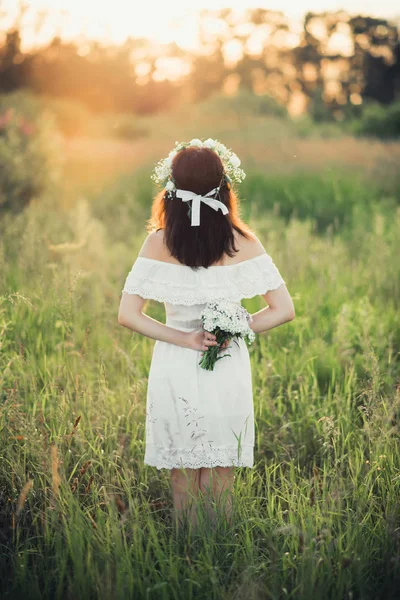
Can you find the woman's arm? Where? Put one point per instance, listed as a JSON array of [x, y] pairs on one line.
[[131, 315], [280, 307], [280, 310]]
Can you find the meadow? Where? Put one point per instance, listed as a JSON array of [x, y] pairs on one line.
[[318, 517]]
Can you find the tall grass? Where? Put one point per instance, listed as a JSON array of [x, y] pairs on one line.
[[318, 516]]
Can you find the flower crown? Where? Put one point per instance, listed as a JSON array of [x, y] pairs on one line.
[[162, 175]]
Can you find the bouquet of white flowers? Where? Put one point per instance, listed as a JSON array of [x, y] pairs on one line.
[[225, 320]]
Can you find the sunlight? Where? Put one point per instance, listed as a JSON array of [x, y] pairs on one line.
[[173, 22], [170, 68], [340, 42], [160, 22]]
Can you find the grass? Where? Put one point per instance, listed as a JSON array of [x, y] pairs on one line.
[[317, 518]]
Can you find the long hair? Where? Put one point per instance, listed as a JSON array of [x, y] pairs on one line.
[[198, 170]]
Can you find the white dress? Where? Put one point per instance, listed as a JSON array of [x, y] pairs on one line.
[[197, 418]]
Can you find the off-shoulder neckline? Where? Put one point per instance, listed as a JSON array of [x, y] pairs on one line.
[[242, 262]]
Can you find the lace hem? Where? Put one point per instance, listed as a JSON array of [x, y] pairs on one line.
[[185, 301], [175, 458], [163, 284]]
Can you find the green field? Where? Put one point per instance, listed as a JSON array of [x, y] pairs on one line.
[[319, 515]]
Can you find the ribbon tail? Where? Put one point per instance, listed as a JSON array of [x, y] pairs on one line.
[[195, 221], [216, 204]]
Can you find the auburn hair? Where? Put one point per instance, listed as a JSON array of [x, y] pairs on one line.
[[198, 170]]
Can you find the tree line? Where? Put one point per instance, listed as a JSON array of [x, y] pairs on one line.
[[331, 68]]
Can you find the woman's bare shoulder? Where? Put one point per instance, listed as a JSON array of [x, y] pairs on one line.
[[248, 247], [154, 247]]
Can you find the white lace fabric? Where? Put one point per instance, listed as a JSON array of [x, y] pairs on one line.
[[175, 458], [197, 418], [179, 284]]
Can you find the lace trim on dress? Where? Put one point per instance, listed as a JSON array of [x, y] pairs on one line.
[[179, 284], [175, 458]]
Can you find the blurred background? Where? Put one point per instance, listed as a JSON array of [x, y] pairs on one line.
[[258, 73]]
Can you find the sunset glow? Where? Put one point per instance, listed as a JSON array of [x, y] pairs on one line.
[[161, 22]]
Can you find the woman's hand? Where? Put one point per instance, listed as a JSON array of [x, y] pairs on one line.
[[224, 345], [201, 340]]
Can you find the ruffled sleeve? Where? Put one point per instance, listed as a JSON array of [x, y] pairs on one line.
[[266, 274], [179, 284]]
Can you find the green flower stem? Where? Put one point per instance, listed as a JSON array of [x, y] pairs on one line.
[[211, 356]]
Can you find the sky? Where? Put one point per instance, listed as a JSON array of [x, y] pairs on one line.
[[162, 21]]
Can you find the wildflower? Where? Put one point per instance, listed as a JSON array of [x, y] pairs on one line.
[[226, 320]]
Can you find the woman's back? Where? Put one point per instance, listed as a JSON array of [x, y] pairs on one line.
[[155, 248], [158, 275]]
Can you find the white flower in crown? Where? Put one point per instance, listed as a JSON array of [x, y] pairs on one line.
[[210, 143], [221, 148], [162, 174], [234, 160]]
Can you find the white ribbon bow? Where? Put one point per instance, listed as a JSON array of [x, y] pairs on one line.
[[185, 196]]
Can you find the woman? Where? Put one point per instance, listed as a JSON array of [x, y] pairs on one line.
[[199, 423]]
